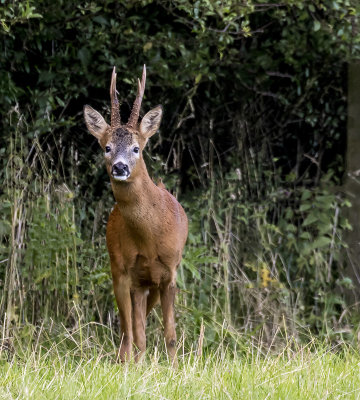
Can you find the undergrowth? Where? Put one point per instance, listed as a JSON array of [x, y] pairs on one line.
[[262, 253]]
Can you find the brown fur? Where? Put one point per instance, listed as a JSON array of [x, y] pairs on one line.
[[146, 234]]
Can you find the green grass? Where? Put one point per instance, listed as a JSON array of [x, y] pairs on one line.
[[73, 367]]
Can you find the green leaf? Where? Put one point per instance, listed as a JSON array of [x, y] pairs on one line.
[[84, 56], [101, 20], [304, 207], [306, 236], [317, 26], [321, 242], [306, 194], [291, 228], [310, 219]]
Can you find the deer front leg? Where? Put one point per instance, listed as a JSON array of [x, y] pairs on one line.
[[167, 296], [121, 283], [138, 297]]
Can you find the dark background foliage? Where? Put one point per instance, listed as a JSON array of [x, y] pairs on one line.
[[252, 142]]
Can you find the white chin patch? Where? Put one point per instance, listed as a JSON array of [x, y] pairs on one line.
[[120, 177]]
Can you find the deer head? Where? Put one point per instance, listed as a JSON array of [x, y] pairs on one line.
[[123, 144]]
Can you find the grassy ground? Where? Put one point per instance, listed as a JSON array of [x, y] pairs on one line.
[[72, 367]]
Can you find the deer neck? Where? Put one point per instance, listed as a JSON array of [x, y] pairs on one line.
[[136, 197]]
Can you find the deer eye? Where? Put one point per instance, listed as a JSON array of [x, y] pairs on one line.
[[107, 149], [136, 150]]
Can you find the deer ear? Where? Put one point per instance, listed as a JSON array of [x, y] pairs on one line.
[[95, 122], [151, 122]]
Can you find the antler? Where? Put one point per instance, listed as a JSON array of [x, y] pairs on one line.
[[115, 112], [137, 103]]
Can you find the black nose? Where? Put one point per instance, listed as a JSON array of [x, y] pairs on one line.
[[120, 169]]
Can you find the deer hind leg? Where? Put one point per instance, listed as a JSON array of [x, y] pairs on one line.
[[138, 298], [152, 299], [167, 296], [121, 283]]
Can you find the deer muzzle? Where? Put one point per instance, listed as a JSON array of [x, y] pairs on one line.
[[120, 171]]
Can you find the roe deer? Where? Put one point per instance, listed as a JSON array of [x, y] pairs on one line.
[[147, 228]]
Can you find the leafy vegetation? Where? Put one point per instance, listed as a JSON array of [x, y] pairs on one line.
[[252, 143]]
